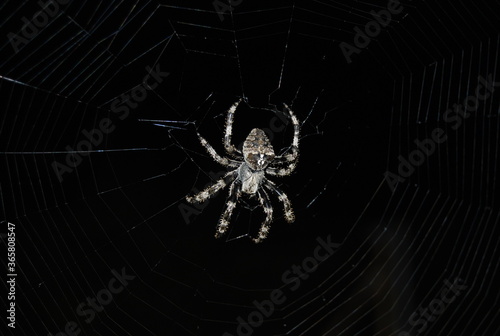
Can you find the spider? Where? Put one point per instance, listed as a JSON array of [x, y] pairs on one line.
[[248, 176]]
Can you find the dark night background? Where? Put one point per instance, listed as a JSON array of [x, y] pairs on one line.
[[122, 206]]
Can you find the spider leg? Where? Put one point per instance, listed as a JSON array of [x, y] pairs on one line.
[[268, 210], [234, 194], [282, 171], [287, 205], [208, 192], [229, 147], [291, 155], [213, 154]]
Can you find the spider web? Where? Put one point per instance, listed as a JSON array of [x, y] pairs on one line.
[[122, 206]]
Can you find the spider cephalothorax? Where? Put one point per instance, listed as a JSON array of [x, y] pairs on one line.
[[249, 169]]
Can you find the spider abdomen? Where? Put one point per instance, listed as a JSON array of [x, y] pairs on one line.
[[251, 180], [257, 149]]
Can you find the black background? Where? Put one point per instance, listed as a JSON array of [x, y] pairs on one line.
[[122, 206]]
